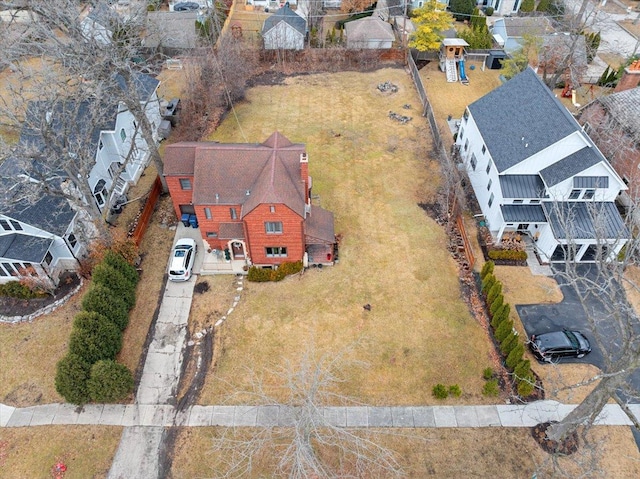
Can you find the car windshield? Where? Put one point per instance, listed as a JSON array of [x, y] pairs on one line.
[[180, 253], [572, 339], [176, 273]]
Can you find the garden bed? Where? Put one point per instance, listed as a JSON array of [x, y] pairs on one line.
[[23, 307]]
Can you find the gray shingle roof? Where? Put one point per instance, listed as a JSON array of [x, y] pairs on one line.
[[521, 26], [585, 220], [571, 165], [521, 118], [624, 106], [21, 247], [48, 213], [523, 214], [145, 85], [285, 14], [521, 186]]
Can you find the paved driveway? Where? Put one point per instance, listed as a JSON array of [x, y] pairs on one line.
[[570, 314]]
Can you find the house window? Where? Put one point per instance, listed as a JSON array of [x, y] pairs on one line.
[[490, 200], [488, 167], [207, 213], [533, 202], [185, 183], [272, 208], [575, 194], [474, 163], [489, 185], [461, 133], [518, 202], [48, 258], [135, 124], [465, 115], [72, 240], [588, 194], [16, 225], [100, 192], [123, 134], [100, 145], [10, 269], [484, 149], [276, 251], [466, 145], [5, 225], [273, 227], [3, 272], [233, 213], [212, 234]]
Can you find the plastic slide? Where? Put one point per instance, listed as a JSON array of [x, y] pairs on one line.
[[463, 76]]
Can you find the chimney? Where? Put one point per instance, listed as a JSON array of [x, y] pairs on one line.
[[630, 78], [304, 175]]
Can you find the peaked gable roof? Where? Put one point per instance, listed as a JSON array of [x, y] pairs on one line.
[[369, 28], [521, 26], [240, 173], [288, 16], [571, 165], [21, 247], [521, 118]]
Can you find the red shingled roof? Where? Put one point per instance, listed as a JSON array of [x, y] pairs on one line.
[[240, 173]]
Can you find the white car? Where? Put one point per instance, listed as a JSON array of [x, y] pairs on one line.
[[182, 259]]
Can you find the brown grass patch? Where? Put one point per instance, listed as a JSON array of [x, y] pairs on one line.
[[29, 354], [445, 453], [632, 26], [370, 171], [452, 98], [87, 451]]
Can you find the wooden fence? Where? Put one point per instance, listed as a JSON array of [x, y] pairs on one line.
[[438, 145], [147, 211]]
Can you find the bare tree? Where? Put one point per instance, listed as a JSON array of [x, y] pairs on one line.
[[309, 445], [614, 324]]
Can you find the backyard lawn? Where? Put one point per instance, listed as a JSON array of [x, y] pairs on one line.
[[371, 172]]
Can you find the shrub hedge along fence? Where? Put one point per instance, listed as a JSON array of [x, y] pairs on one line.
[[89, 371], [511, 345]]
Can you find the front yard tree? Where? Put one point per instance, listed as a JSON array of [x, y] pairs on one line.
[[430, 20], [105, 57], [311, 446], [609, 282]]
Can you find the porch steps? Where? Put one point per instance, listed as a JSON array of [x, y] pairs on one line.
[[536, 268]]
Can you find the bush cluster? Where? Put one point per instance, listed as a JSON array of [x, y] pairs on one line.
[[507, 254], [89, 371], [511, 345], [440, 391], [15, 289], [260, 275]]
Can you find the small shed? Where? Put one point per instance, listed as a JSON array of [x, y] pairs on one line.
[[369, 32], [284, 30], [495, 59]]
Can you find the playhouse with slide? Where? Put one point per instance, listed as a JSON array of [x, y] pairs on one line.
[[452, 58]]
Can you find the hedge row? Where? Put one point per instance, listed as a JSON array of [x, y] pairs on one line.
[[511, 345], [507, 254], [89, 371], [260, 275]]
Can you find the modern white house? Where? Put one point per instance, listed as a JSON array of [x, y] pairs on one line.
[[122, 154], [284, 30], [535, 171], [43, 235]]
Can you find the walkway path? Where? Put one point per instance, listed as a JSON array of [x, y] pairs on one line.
[[158, 416]]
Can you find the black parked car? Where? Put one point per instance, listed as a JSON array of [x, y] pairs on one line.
[[558, 344]]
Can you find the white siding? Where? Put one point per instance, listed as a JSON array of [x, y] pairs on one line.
[[283, 36]]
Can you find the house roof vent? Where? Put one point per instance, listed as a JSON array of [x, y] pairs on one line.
[[248, 192]]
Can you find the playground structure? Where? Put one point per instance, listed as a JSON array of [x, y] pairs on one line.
[[452, 57]]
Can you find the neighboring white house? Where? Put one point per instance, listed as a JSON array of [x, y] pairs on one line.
[[502, 7], [284, 30], [534, 170], [509, 32], [38, 237], [121, 140], [369, 32]]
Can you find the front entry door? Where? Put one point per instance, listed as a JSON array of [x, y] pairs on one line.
[[237, 250]]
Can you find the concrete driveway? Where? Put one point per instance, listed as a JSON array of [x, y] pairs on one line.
[[570, 314]]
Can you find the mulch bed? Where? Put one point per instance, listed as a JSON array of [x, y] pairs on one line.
[[566, 447], [22, 307]]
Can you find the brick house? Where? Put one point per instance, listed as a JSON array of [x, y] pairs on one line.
[[252, 201]]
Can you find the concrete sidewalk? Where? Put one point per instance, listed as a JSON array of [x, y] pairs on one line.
[[163, 415]]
